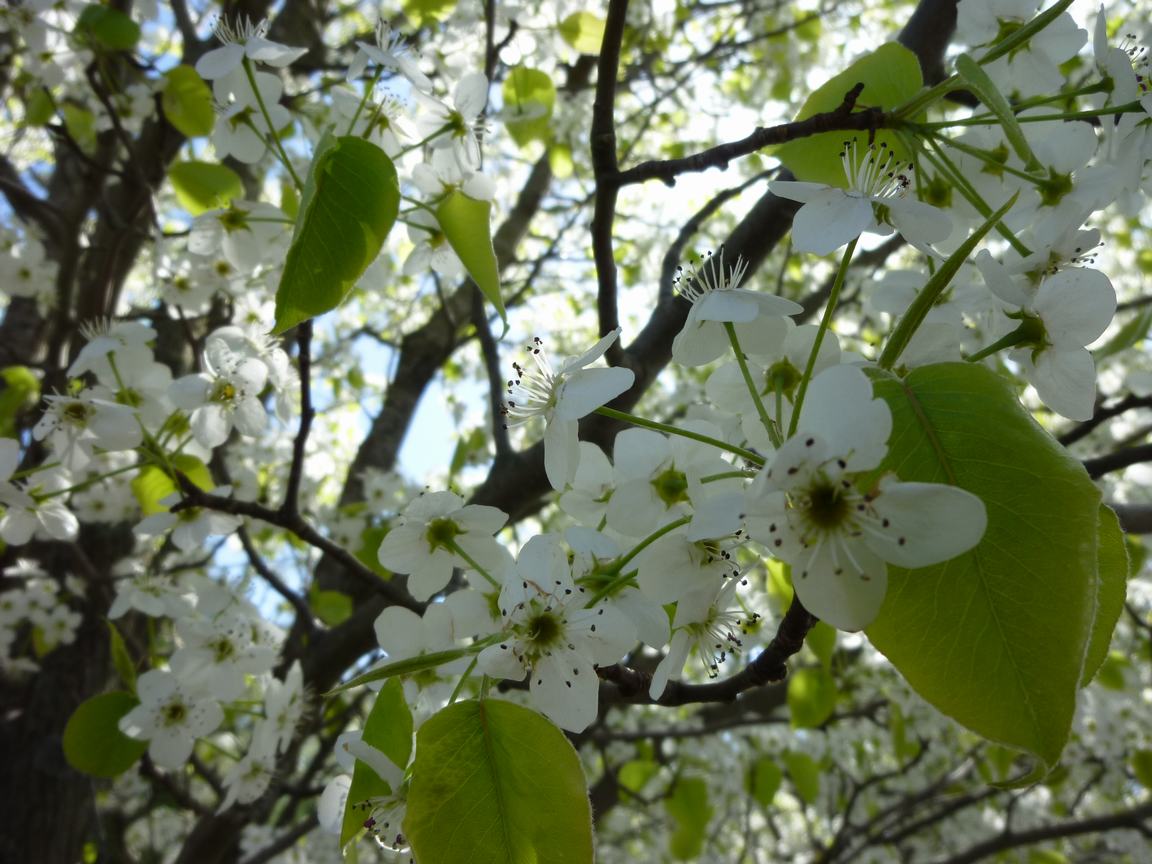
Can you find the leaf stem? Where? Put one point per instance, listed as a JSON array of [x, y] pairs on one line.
[[752, 456]]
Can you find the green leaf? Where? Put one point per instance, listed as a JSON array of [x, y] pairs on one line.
[[764, 780], [891, 76], [465, 223], [405, 667], [805, 774], [152, 485], [995, 638], [811, 697], [202, 186], [428, 12], [583, 31], [1112, 567], [388, 729], [81, 125], [108, 28], [987, 92], [821, 641], [367, 554], [690, 811], [1111, 673], [529, 97], [19, 392], [1142, 767], [187, 102], [39, 109], [331, 607], [496, 783], [93, 742], [635, 774], [121, 659], [343, 223]]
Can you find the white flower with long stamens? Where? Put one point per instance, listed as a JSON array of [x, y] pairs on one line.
[[562, 397], [875, 200], [708, 625], [243, 39], [806, 508], [459, 127], [717, 298], [392, 52], [550, 635]]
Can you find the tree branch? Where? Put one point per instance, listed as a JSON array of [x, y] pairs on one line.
[[603, 150]]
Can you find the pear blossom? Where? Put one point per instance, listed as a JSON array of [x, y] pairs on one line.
[[657, 476], [242, 40], [717, 298], [30, 507], [284, 704], [438, 532], [247, 232], [875, 200], [74, 425], [217, 655], [170, 717], [562, 397], [708, 625], [552, 637], [462, 121], [127, 341], [806, 508], [1075, 307], [391, 51], [226, 394], [248, 779]]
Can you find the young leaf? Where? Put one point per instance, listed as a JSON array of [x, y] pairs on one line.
[[529, 97], [465, 223], [348, 209], [764, 780], [496, 783], [973, 74], [690, 811], [583, 31], [995, 638], [107, 28], [805, 774], [388, 729], [811, 697], [93, 743], [187, 102], [890, 75], [121, 659], [202, 186], [152, 485], [404, 667]]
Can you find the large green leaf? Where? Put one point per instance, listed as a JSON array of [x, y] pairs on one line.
[[689, 808], [465, 223], [93, 743], [995, 638], [890, 75], [19, 392], [388, 729], [805, 774], [1112, 566], [187, 102], [529, 97], [201, 186], [496, 783], [353, 201]]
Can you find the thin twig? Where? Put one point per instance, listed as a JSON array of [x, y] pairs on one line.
[[291, 505], [278, 585]]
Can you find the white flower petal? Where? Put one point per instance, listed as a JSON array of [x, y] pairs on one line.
[[830, 220], [848, 600], [561, 452], [930, 523], [587, 389]]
